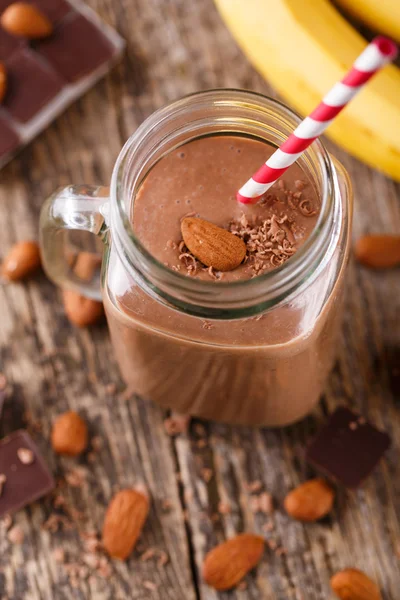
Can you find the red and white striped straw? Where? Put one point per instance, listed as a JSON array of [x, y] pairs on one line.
[[375, 56]]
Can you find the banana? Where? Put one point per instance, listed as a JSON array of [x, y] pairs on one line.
[[302, 49], [380, 15]]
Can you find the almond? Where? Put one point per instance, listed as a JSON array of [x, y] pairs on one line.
[[86, 265], [81, 311], [378, 251], [69, 434], [213, 246], [227, 564], [125, 517], [310, 501], [22, 260], [23, 19], [352, 584], [3, 81]]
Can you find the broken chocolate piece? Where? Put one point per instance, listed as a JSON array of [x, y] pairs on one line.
[[347, 448], [76, 48], [31, 85], [23, 483]]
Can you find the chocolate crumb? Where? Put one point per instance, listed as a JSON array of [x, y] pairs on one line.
[[96, 443], [111, 389], [266, 503], [272, 544], [206, 474], [150, 585], [224, 508], [280, 551], [281, 184], [15, 535], [202, 443], [148, 554], [254, 486], [26, 456], [242, 586], [166, 505], [176, 424], [299, 184], [267, 527], [199, 429], [59, 555], [76, 477]]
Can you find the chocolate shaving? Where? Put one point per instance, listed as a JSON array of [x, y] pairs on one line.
[[306, 208], [269, 243]]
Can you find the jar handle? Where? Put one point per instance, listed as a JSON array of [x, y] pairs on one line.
[[73, 208]]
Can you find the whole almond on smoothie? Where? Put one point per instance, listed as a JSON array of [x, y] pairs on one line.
[[69, 434], [310, 501], [3, 81], [82, 311], [25, 20], [226, 565], [378, 251], [125, 517], [213, 246], [352, 584], [22, 260]]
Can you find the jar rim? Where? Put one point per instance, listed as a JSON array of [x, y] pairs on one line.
[[232, 299]]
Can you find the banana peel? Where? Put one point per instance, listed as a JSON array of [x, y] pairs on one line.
[[379, 15], [303, 49]]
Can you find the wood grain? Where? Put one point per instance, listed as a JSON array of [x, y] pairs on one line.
[[176, 47]]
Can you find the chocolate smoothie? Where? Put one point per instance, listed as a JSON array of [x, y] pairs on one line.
[[263, 370]]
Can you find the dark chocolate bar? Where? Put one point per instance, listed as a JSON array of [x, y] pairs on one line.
[[24, 476], [347, 448], [31, 85], [76, 48], [45, 76]]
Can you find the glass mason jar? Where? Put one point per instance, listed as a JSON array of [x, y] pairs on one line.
[[252, 352]]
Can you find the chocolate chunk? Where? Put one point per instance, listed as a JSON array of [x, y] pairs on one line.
[[21, 482], [9, 138], [8, 44], [76, 48], [347, 448], [31, 85]]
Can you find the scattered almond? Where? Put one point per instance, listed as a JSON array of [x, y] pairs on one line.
[[23, 19], [310, 501], [69, 434], [87, 263], [22, 260], [82, 311], [378, 251], [3, 81], [125, 517], [352, 584], [227, 564], [213, 246]]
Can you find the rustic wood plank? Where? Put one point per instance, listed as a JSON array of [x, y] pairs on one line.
[[177, 47]]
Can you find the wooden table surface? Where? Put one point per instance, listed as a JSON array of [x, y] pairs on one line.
[[176, 47]]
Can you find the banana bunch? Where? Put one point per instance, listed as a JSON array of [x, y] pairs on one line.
[[303, 47]]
